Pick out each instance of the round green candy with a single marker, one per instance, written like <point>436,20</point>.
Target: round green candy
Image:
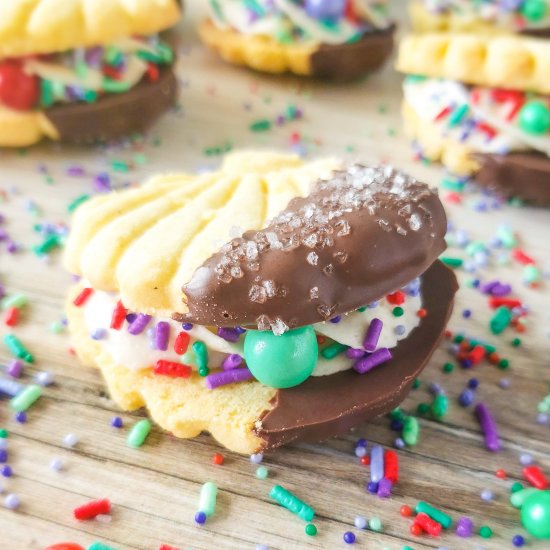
<point>311,530</point>
<point>534,10</point>
<point>535,514</point>
<point>281,361</point>
<point>485,531</point>
<point>534,118</point>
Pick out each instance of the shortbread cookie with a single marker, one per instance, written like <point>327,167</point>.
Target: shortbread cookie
<point>501,136</point>
<point>530,17</point>
<point>80,71</point>
<point>334,40</point>
<point>508,61</point>
<point>336,301</point>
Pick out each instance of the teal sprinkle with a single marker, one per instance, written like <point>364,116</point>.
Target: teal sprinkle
<point>201,354</point>
<point>458,115</point>
<point>254,6</point>
<point>115,86</point>
<point>332,350</point>
<point>46,93</point>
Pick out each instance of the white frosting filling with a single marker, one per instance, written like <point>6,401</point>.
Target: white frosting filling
<point>284,16</point>
<point>429,97</point>
<point>136,352</point>
<point>494,11</point>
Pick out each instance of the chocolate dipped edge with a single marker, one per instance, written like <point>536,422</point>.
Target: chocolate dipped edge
<point>328,406</point>
<point>115,116</point>
<point>353,60</point>
<point>521,175</point>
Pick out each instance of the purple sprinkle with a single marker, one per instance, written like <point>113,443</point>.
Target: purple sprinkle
<point>464,527</point>
<point>102,182</point>
<point>227,377</point>
<point>384,488</point>
<point>131,317</point>
<point>15,368</point>
<point>21,417</point>
<point>3,456</point>
<point>10,387</point>
<point>162,335</point>
<point>362,442</point>
<point>365,364</point>
<point>232,361</point>
<point>487,288</point>
<point>229,334</point>
<point>376,463</point>
<point>116,422</point>
<point>187,326</point>
<point>137,326</point>
<point>75,171</point>
<point>373,334</point>
<point>372,487</point>
<point>488,426</point>
<point>501,290</point>
<point>336,319</point>
<point>399,443</point>
<point>98,334</point>
<point>240,330</point>
<point>466,398</point>
<point>354,353</point>
<point>6,471</point>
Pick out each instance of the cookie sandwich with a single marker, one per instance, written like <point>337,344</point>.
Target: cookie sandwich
<point>479,95</point>
<point>342,39</point>
<point>313,315</point>
<point>83,71</point>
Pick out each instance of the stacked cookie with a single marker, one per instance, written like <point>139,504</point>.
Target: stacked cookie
<point>478,95</point>
<point>83,71</point>
<point>327,38</point>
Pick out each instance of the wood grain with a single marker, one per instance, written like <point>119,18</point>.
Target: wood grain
<point>155,489</point>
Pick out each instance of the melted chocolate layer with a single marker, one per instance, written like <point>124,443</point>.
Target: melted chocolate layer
<point>349,61</point>
<point>328,406</point>
<point>116,115</point>
<point>522,175</point>
<point>357,237</point>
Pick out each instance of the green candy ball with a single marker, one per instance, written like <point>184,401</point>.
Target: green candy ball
<point>534,10</point>
<point>281,361</point>
<point>535,514</point>
<point>534,118</point>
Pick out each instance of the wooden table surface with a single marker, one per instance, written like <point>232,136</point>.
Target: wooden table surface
<point>154,489</point>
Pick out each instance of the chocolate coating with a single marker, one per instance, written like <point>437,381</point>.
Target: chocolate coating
<point>543,32</point>
<point>349,61</point>
<point>522,175</point>
<point>115,116</point>
<point>327,406</point>
<point>357,237</point>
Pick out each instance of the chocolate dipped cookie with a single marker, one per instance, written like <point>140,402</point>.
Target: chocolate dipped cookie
<point>84,72</point>
<point>329,292</point>
<point>330,39</point>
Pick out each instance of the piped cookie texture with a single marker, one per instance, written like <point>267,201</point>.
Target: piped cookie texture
<point>359,235</point>
<point>83,71</point>
<point>338,40</point>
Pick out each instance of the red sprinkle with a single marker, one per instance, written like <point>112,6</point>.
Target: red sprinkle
<point>396,298</point>
<point>391,466</point>
<point>500,473</point>
<point>320,339</point>
<point>428,524</point>
<point>173,369</point>
<point>167,547</point>
<point>477,354</point>
<point>495,302</point>
<point>521,257</point>
<point>534,475</point>
<point>119,315</point>
<point>443,113</point>
<point>406,511</point>
<point>12,316</point>
<point>421,313</point>
<point>65,546</point>
<point>365,460</point>
<point>92,509</point>
<point>83,297</point>
<point>152,72</point>
<point>416,529</point>
<point>181,342</point>
<point>218,459</point>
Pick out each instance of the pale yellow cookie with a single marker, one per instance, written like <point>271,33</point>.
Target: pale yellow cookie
<point>515,62</point>
<point>184,407</point>
<point>20,129</point>
<point>30,27</point>
<point>261,53</point>
<point>146,243</point>
<point>454,155</point>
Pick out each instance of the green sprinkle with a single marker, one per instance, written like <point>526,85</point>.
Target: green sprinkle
<point>375,524</point>
<point>437,515</point>
<point>531,274</point>
<point>458,115</point>
<point>114,86</point>
<point>503,364</point>
<point>46,93</point>
<point>14,300</point>
<point>398,311</point>
<point>474,247</point>
<point>26,398</point>
<point>311,530</point>
<point>90,96</point>
<point>292,502</point>
<point>397,414</point>
<point>448,367</point>
<point>500,320</point>
<point>407,548</point>
<point>517,486</point>
<point>506,237</point>
<point>453,185</point>
<point>139,432</point>
<point>207,498</point>
<point>77,202</point>
<point>416,384</point>
<point>201,355</point>
<point>113,56</point>
<point>332,350</point>
<point>516,342</point>
<point>485,532</point>
<point>47,245</point>
<point>452,262</point>
<point>17,348</point>
<point>120,166</point>
<point>262,125</point>
<point>362,309</point>
<point>81,69</point>
<point>440,405</point>
<point>4,433</point>
<point>423,408</point>
<point>100,546</point>
<point>459,338</point>
<point>411,430</point>
<point>262,472</point>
